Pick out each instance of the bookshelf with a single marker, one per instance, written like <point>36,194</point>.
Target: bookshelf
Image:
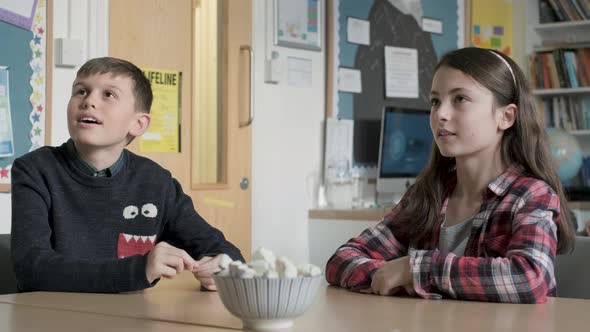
<point>561,91</point>
<point>559,63</point>
<point>568,32</point>
<point>558,45</point>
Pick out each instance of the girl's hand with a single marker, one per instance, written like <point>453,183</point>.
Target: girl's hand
<point>392,277</point>
<point>167,261</point>
<point>206,266</point>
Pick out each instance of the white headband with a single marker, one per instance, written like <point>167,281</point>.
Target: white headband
<point>507,65</point>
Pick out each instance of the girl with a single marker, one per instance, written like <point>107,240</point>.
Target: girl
<point>487,215</point>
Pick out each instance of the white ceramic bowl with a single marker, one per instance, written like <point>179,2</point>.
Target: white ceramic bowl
<point>267,304</point>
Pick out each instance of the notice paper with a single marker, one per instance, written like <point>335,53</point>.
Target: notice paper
<point>358,31</point>
<point>299,71</point>
<point>163,133</point>
<point>349,80</point>
<point>401,72</point>
<point>6,138</point>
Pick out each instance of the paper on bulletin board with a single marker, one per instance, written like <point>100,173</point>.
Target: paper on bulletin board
<point>349,80</point>
<point>358,31</point>
<point>18,12</point>
<point>6,137</point>
<point>491,25</point>
<point>163,133</point>
<point>401,72</point>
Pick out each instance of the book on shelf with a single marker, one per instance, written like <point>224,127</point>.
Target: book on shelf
<point>560,68</point>
<point>571,113</point>
<point>563,10</point>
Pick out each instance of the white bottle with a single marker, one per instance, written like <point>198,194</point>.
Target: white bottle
<point>359,184</point>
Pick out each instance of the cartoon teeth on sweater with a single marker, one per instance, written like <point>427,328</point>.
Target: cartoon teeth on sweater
<point>131,244</point>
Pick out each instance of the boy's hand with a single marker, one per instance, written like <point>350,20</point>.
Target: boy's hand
<point>167,261</point>
<point>206,266</point>
<point>392,277</point>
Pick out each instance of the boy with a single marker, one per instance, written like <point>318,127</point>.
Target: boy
<point>90,216</point>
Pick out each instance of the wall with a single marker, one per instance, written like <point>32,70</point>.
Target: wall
<point>78,19</point>
<point>286,144</point>
<point>286,130</point>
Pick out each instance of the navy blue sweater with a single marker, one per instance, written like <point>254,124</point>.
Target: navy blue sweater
<point>75,232</point>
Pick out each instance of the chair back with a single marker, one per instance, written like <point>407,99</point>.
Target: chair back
<point>572,271</point>
<point>7,278</point>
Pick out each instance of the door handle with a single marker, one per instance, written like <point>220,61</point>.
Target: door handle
<point>251,95</point>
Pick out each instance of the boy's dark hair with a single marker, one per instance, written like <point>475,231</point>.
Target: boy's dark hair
<point>142,89</point>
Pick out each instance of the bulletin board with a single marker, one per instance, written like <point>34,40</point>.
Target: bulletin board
<point>428,28</point>
<point>25,39</point>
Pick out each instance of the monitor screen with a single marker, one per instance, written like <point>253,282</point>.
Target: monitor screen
<point>404,149</point>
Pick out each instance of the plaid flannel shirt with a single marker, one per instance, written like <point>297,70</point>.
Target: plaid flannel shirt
<point>509,255</point>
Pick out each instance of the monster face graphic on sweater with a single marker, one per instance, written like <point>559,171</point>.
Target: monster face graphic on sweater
<point>135,244</point>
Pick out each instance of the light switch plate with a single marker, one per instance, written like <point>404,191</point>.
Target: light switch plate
<point>68,52</point>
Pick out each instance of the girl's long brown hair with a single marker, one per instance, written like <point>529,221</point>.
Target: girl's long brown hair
<point>525,144</point>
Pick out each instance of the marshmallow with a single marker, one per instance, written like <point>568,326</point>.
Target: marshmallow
<point>270,274</point>
<point>260,267</point>
<point>238,269</point>
<point>264,265</point>
<point>264,255</point>
<point>223,273</point>
<point>308,270</point>
<point>224,261</point>
<point>286,268</point>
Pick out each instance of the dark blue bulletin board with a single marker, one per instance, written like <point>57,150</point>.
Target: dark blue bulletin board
<point>394,23</point>
<point>23,49</point>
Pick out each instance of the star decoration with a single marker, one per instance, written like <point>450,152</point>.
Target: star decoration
<point>40,31</point>
<point>37,131</point>
<point>38,54</point>
<point>4,173</point>
<point>35,117</point>
<point>36,95</point>
<point>37,68</point>
<point>39,80</point>
<point>39,108</point>
<point>37,40</point>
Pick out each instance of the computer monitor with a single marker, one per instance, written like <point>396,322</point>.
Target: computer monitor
<point>404,149</point>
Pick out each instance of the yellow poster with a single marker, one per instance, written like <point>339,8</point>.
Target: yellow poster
<point>491,24</point>
<point>163,133</point>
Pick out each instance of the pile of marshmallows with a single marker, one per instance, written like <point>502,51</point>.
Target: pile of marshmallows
<point>265,265</point>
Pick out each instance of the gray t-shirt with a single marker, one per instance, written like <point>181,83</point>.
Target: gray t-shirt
<point>454,238</point>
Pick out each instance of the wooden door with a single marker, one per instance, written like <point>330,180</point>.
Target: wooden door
<point>173,35</point>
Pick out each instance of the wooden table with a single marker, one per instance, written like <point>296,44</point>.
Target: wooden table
<point>178,305</point>
<point>24,318</point>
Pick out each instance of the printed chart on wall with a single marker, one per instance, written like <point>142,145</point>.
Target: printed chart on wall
<point>163,133</point>
<point>22,80</point>
<point>491,24</point>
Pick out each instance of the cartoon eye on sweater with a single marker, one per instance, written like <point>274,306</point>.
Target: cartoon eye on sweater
<point>149,210</point>
<point>140,242</point>
<point>130,212</point>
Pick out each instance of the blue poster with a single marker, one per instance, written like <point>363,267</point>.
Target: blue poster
<point>394,23</point>
<point>6,138</point>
